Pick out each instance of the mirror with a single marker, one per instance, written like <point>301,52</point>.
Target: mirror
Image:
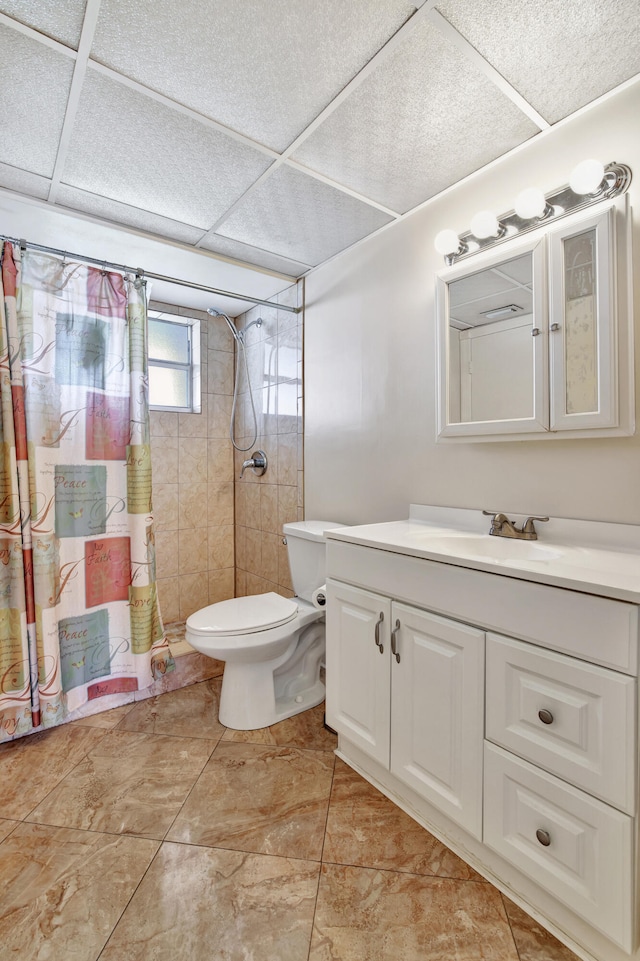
<point>491,347</point>
<point>490,320</point>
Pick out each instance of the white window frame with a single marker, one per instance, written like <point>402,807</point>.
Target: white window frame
<point>193,367</point>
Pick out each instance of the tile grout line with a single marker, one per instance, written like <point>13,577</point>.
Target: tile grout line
<point>515,943</point>
<point>62,779</point>
<point>133,894</point>
<point>324,839</point>
<point>162,840</point>
<point>192,788</point>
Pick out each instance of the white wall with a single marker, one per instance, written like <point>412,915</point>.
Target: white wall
<point>370,434</point>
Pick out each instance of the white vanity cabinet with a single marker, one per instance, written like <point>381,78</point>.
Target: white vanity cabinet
<point>395,672</point>
<point>508,726</point>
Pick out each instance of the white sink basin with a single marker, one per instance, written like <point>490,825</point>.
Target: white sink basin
<point>483,547</point>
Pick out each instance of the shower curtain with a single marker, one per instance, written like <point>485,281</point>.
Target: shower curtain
<point>79,615</point>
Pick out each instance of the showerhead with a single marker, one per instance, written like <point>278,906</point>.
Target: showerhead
<point>230,323</point>
<point>238,335</point>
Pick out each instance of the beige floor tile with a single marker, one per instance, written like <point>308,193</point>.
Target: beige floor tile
<point>63,891</point>
<point>31,766</point>
<point>383,916</point>
<point>130,784</point>
<point>106,720</point>
<point>532,941</point>
<point>188,712</point>
<point>268,800</point>
<point>302,730</point>
<point>6,827</point>
<point>365,828</point>
<point>199,904</point>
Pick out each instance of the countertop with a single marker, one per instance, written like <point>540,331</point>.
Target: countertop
<point>588,556</point>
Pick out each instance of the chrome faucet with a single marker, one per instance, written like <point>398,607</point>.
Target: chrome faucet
<point>501,526</point>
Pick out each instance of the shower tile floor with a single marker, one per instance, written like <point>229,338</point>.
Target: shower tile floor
<point>152,833</point>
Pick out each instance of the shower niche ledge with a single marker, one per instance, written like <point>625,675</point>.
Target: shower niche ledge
<point>490,690</point>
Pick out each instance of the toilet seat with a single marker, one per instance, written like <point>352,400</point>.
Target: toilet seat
<point>243,615</point>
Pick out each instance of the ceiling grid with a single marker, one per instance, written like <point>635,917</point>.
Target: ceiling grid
<point>281,134</point>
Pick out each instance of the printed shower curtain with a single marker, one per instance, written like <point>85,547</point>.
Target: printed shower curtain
<point>79,616</point>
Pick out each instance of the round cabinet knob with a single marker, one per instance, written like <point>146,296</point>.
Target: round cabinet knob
<point>543,837</point>
<point>545,716</point>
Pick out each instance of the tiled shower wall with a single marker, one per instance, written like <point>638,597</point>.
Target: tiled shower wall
<point>192,467</point>
<point>264,504</point>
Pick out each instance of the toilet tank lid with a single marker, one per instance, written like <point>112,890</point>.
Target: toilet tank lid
<point>309,530</point>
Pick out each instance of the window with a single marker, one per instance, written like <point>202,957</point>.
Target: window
<point>174,362</point>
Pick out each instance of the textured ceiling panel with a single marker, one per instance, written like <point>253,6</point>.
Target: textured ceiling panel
<point>253,255</point>
<point>298,217</point>
<point>559,54</point>
<point>265,69</point>
<point>129,216</point>
<point>60,20</point>
<point>414,127</point>
<point>24,182</point>
<point>34,89</point>
<point>127,147</point>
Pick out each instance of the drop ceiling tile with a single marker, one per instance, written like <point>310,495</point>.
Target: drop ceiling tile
<point>34,89</point>
<point>127,147</point>
<point>265,69</point>
<point>128,216</point>
<point>296,216</point>
<point>62,21</point>
<point>24,182</point>
<point>423,120</point>
<point>253,255</point>
<point>559,54</point>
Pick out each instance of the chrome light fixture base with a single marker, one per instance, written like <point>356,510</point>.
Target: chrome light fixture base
<point>559,203</point>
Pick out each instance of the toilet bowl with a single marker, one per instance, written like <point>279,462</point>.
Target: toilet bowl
<point>273,647</point>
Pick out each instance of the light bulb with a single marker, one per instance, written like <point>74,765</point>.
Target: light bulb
<point>586,177</point>
<point>447,242</point>
<point>530,203</point>
<point>485,224</point>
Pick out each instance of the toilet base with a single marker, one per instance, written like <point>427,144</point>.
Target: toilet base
<point>258,695</point>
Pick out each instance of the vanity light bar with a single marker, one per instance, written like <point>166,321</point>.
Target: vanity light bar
<point>590,182</point>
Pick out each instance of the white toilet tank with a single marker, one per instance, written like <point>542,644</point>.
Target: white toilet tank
<point>306,547</point>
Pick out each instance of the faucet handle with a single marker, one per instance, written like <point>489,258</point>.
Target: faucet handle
<point>528,526</point>
<point>499,522</point>
<point>257,462</point>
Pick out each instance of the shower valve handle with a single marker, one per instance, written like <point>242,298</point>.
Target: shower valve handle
<point>257,462</point>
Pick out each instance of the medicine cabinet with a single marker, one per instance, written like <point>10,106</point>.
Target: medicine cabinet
<point>535,338</point>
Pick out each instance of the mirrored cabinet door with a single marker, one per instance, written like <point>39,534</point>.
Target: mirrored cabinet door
<point>492,331</point>
<point>582,325</point>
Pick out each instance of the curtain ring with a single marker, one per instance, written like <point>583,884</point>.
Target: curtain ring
<point>103,272</point>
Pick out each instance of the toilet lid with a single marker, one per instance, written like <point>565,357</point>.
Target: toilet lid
<point>242,615</point>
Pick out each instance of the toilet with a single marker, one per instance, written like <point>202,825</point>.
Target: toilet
<point>273,646</point>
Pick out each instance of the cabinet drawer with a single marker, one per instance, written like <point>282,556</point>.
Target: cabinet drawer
<point>571,718</point>
<point>576,847</point>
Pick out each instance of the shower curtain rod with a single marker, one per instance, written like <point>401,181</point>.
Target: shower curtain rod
<point>140,272</point>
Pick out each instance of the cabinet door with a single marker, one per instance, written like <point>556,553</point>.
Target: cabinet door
<point>357,703</point>
<point>582,325</point>
<point>437,705</point>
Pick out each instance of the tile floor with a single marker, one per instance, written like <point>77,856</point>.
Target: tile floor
<point>152,833</point>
